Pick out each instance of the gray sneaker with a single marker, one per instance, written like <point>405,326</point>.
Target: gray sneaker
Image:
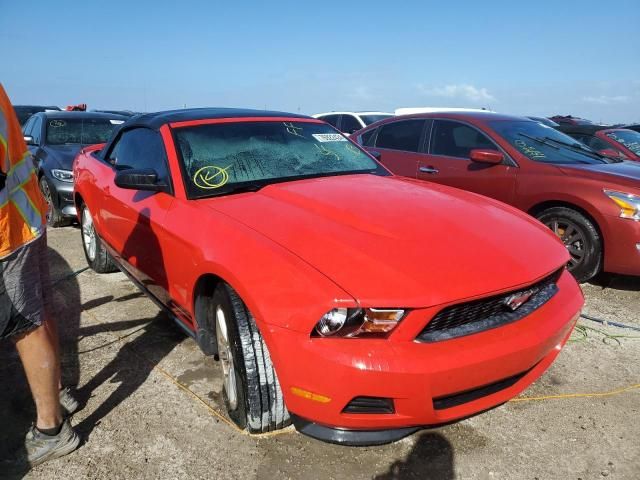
<point>68,403</point>
<point>41,447</point>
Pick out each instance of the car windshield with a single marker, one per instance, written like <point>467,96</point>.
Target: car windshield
<point>222,158</point>
<point>626,138</point>
<point>544,144</point>
<point>369,119</point>
<point>84,131</point>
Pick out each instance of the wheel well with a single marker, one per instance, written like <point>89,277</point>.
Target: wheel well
<point>77,200</point>
<point>204,315</point>
<point>541,207</point>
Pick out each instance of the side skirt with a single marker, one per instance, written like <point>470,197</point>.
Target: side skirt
<point>165,308</point>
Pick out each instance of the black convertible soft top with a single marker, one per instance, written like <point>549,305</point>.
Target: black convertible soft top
<point>157,119</point>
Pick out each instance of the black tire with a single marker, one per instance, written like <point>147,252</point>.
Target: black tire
<point>259,405</point>
<point>580,236</point>
<point>100,261</point>
<point>54,215</point>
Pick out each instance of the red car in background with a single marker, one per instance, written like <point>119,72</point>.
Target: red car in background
<point>590,201</point>
<point>613,142</point>
<point>357,304</point>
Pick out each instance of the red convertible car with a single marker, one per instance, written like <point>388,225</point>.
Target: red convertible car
<point>357,304</point>
<point>590,201</point>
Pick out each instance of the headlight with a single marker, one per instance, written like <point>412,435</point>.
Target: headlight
<point>62,175</point>
<point>358,322</point>
<point>629,203</point>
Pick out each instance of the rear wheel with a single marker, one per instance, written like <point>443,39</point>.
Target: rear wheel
<point>54,215</point>
<point>252,391</point>
<point>97,256</point>
<point>581,238</point>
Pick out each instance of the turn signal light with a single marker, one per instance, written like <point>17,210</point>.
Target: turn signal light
<point>316,397</point>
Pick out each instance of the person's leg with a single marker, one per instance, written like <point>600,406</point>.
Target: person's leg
<point>40,361</point>
<point>26,287</point>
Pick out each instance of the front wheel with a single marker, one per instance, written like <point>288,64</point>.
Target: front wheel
<point>54,215</point>
<point>581,238</point>
<point>97,256</point>
<point>252,391</point>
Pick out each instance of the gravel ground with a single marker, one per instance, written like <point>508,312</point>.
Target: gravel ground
<point>152,404</point>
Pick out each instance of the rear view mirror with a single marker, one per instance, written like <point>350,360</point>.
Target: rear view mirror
<point>140,179</point>
<point>493,157</point>
<point>28,139</point>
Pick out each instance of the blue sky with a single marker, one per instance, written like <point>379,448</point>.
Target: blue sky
<point>537,58</point>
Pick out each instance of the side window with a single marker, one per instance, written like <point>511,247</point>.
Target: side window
<point>350,124</point>
<point>36,131</point>
<point>140,148</point>
<point>598,144</point>
<point>367,137</point>
<point>26,128</point>
<point>404,135</point>
<point>454,139</point>
<point>331,119</point>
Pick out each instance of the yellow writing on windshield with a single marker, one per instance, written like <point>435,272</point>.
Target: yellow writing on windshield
<point>211,177</point>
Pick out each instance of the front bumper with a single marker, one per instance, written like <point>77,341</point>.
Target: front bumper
<point>418,376</point>
<point>622,246</point>
<point>62,196</point>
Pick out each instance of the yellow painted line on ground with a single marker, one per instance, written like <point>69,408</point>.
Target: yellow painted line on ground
<point>610,393</point>
<point>175,381</point>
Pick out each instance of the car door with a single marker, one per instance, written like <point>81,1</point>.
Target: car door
<point>133,224</point>
<point>398,145</point>
<point>448,162</point>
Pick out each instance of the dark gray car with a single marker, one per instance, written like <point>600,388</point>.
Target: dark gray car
<point>54,139</point>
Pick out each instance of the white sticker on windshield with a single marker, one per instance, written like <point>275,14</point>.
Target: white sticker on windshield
<point>116,122</point>
<point>328,137</point>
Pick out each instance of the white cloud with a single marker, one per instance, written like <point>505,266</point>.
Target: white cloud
<point>464,91</point>
<point>607,100</point>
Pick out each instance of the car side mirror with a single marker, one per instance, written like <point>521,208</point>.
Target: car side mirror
<point>140,179</point>
<point>375,154</point>
<point>610,152</point>
<point>28,139</point>
<point>481,155</point>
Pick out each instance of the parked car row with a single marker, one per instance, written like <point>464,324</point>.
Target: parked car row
<point>357,304</point>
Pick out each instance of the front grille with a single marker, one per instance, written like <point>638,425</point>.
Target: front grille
<point>369,405</point>
<point>478,315</point>
<point>467,396</point>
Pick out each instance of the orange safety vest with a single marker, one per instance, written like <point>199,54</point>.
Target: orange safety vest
<point>22,206</point>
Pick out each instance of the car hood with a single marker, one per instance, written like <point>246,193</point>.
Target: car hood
<point>60,156</point>
<point>396,242</point>
<point>624,173</point>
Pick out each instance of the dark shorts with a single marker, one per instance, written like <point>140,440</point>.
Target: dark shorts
<point>25,288</point>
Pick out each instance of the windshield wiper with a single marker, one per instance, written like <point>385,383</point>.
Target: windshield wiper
<point>246,187</point>
<point>547,141</point>
<point>539,140</point>
<point>583,149</point>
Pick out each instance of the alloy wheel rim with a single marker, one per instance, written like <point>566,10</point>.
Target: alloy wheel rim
<point>572,237</point>
<point>226,358</point>
<point>88,235</point>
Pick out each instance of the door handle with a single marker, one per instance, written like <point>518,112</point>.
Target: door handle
<point>430,170</point>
